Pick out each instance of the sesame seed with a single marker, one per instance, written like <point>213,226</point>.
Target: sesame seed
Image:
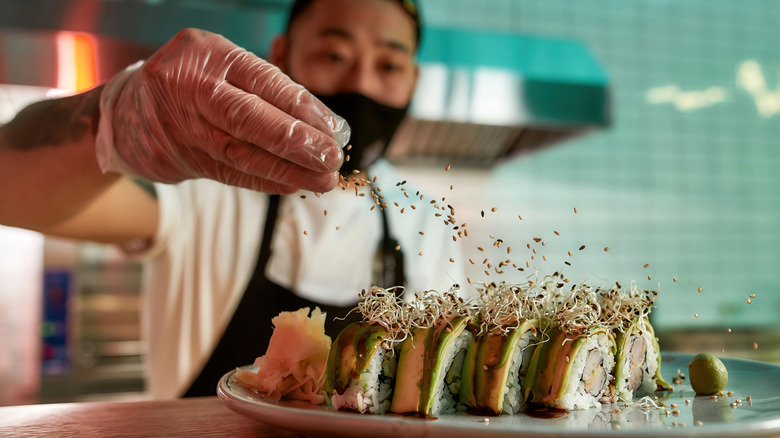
<point>696,315</point>
<point>606,248</point>
<point>674,279</point>
<point>494,209</point>
<point>447,168</point>
<point>419,253</point>
<point>338,228</point>
<point>648,277</point>
<point>699,289</point>
<point>305,233</point>
<point>755,345</point>
<point>556,233</point>
<point>519,217</point>
<point>698,423</point>
<point>575,209</point>
<point>728,330</point>
<point>452,260</point>
<point>582,247</point>
<point>748,301</point>
<point>486,420</point>
<point>752,295</point>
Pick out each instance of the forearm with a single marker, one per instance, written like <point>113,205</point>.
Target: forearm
<point>48,169</point>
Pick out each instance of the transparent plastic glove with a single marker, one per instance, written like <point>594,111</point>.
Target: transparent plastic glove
<point>201,107</point>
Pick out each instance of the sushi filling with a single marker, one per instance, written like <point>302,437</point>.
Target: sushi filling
<point>447,392</point>
<point>513,396</point>
<point>372,391</point>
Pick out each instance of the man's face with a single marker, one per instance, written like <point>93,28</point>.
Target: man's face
<point>360,46</point>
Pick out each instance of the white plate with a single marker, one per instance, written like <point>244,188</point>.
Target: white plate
<point>758,418</point>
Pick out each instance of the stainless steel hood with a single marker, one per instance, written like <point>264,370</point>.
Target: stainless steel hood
<point>482,96</point>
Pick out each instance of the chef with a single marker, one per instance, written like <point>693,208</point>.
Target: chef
<point>235,184</point>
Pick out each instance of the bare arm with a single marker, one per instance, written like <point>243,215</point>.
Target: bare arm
<point>50,181</point>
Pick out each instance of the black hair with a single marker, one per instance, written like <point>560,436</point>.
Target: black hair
<point>410,6</point>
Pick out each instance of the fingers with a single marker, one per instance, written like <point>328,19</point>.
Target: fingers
<point>257,162</point>
<point>265,80</point>
<point>253,120</point>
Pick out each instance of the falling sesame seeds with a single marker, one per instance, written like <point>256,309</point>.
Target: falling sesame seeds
<point>325,212</point>
<point>582,247</point>
<point>728,330</point>
<point>752,295</point>
<point>674,279</point>
<point>606,248</point>
<point>482,213</point>
<point>349,147</point>
<point>646,265</point>
<point>338,228</point>
<point>494,209</point>
<point>755,345</point>
<point>447,168</point>
<point>556,233</point>
<point>695,315</point>
<point>305,233</point>
<point>699,289</point>
<point>452,260</point>
<point>748,301</point>
<point>419,253</point>
<point>421,233</point>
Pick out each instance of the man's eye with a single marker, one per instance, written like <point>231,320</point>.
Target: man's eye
<point>391,68</point>
<point>333,57</point>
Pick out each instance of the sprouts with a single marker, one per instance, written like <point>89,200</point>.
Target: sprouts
<point>502,307</point>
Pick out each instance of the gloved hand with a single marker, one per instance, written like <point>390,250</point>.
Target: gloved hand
<point>201,107</point>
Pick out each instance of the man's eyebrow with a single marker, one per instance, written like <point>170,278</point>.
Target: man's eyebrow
<point>391,43</point>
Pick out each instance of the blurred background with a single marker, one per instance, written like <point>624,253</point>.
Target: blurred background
<point>646,127</point>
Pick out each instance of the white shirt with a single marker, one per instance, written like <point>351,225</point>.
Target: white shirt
<point>207,244</point>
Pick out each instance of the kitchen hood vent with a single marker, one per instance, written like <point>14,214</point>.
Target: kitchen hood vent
<point>482,97</point>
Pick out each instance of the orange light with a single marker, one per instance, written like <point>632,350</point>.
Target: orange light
<point>84,54</point>
<point>76,64</point>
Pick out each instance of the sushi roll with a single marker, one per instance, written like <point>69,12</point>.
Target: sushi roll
<point>493,367</point>
<point>361,369</point>
<point>430,362</point>
<point>572,370</point>
<point>638,361</point>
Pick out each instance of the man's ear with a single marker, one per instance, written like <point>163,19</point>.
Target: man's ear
<point>278,53</point>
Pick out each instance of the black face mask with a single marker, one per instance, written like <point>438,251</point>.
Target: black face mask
<point>372,125</point>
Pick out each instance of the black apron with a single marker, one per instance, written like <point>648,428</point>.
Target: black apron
<point>246,336</point>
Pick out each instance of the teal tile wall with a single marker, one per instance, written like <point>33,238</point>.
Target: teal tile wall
<point>691,190</point>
